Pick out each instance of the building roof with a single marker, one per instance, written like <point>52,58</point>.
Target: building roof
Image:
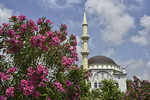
<point>101,60</point>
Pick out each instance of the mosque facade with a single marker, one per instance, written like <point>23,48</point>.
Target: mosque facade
<point>101,67</point>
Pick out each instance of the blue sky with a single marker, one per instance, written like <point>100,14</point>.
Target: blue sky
<point>119,29</point>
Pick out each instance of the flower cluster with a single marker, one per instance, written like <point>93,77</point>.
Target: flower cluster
<point>68,83</point>
<point>138,89</point>
<point>39,41</point>
<point>58,87</point>
<point>67,62</point>
<point>10,91</point>
<point>4,76</point>
<point>29,43</point>
<point>34,78</point>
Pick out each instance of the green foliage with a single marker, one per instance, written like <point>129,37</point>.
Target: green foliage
<point>109,90</point>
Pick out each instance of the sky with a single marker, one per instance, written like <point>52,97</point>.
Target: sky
<point>119,29</point>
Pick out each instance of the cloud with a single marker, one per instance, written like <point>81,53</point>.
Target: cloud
<point>134,64</point>
<point>79,50</point>
<point>134,67</point>
<point>109,52</point>
<point>74,26</point>
<point>58,4</point>
<point>5,13</point>
<point>113,18</point>
<point>143,36</point>
<point>146,75</point>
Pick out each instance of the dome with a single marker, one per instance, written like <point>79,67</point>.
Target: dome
<point>101,60</point>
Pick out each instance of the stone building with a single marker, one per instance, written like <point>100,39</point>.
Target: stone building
<point>101,67</point>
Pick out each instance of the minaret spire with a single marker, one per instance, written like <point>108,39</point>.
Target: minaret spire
<point>85,38</point>
<point>84,19</point>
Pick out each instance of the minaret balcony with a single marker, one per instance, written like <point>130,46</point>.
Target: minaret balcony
<point>85,52</point>
<point>85,37</point>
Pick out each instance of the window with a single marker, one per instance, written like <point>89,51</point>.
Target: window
<point>97,76</point>
<point>99,84</point>
<point>90,84</point>
<point>95,84</point>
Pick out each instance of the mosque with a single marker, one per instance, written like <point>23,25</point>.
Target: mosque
<point>101,67</point>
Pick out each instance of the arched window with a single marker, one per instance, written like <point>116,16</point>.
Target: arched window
<point>95,84</point>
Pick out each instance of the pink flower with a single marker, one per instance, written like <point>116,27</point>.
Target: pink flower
<point>33,41</point>
<point>24,26</point>
<point>3,97</point>
<point>31,71</point>
<point>22,17</point>
<point>50,34</point>
<point>127,93</point>
<point>18,36</point>
<point>24,83</point>
<point>40,69</point>
<point>67,61</point>
<point>28,90</point>
<point>10,91</point>
<point>5,77</point>
<point>58,86</point>
<point>68,83</point>
<point>73,36</point>
<point>63,27</point>
<point>49,21</point>
<point>1,74</point>
<point>36,94</point>
<point>48,98</point>
<point>11,70</point>
<point>65,32</point>
<point>42,38</point>
<point>31,23</point>
<point>6,24</point>
<point>35,28</point>
<point>42,84</point>
<point>11,33</point>
<point>39,21</point>
<point>13,17</point>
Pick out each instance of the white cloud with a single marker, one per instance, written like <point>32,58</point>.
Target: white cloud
<point>143,36</point>
<point>134,64</point>
<point>146,75</point>
<point>58,4</point>
<point>113,18</point>
<point>134,67</point>
<point>5,13</point>
<point>74,26</point>
<point>109,52</point>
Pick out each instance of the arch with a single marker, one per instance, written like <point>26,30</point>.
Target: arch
<point>102,72</point>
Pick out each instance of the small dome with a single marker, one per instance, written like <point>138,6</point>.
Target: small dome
<point>101,60</point>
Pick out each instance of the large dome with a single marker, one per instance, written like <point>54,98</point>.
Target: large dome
<point>101,60</point>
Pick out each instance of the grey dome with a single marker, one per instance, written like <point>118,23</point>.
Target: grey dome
<point>101,60</point>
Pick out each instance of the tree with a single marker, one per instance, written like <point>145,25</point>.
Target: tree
<point>39,62</point>
<point>138,90</point>
<point>109,90</point>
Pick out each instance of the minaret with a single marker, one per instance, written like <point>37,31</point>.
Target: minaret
<point>85,38</point>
